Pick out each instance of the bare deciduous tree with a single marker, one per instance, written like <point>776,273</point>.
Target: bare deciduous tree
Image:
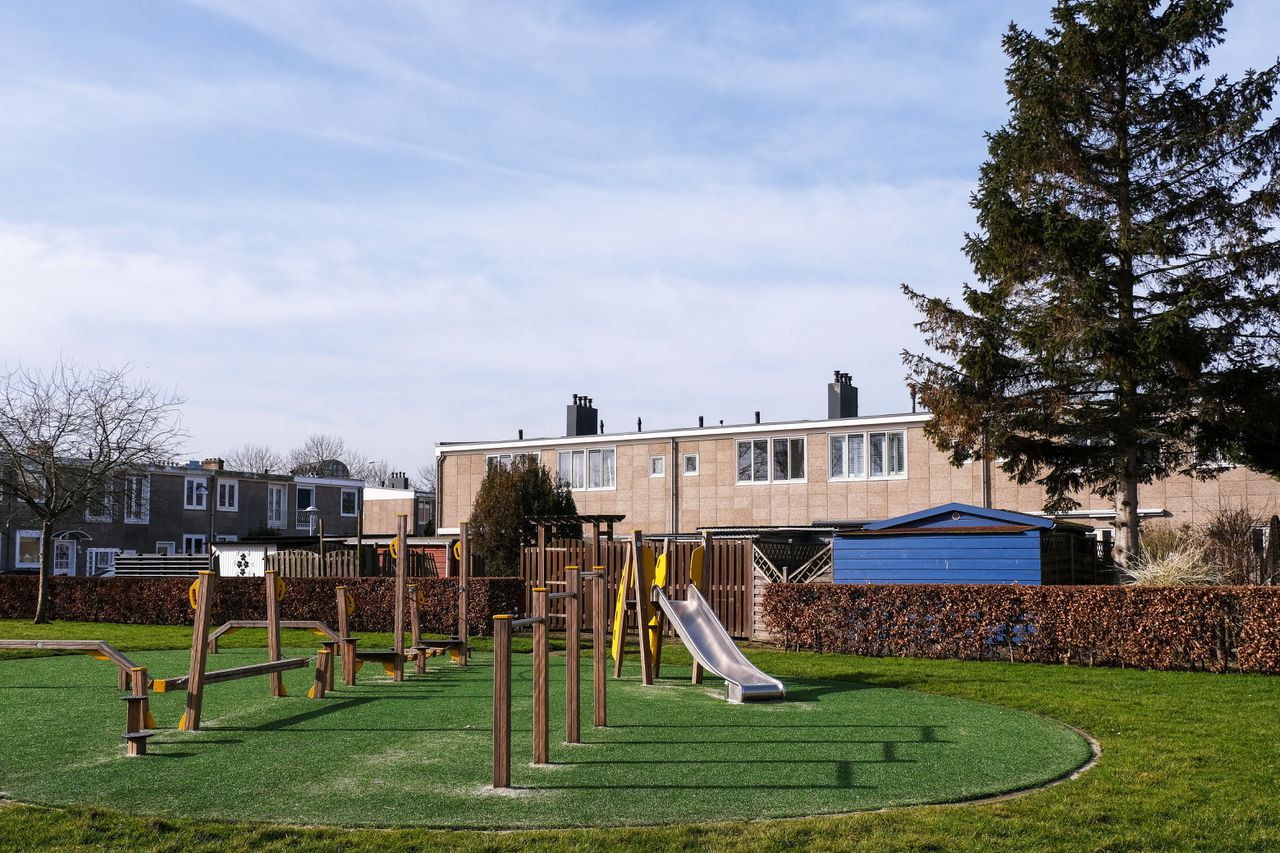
<point>258,458</point>
<point>316,455</point>
<point>426,479</point>
<point>68,436</point>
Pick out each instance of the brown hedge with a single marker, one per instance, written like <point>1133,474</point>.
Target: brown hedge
<point>163,601</point>
<point>1219,628</point>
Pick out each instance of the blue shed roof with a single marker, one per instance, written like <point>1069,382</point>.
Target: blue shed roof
<point>968,516</point>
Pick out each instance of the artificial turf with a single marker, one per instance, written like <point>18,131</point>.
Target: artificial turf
<point>418,753</point>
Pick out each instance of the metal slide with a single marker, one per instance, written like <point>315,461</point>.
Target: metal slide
<point>709,643</point>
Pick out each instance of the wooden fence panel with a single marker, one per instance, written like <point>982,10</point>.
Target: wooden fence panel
<point>729,586</point>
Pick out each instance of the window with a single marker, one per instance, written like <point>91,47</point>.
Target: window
<point>879,455</point>
<point>306,499</point>
<point>194,543</point>
<point>589,469</point>
<point>226,537</point>
<point>165,548</point>
<point>27,549</point>
<point>195,492</point>
<point>657,466</point>
<point>64,557</point>
<point>501,459</point>
<point>691,464</point>
<point>100,561</point>
<point>349,503</point>
<point>275,506</point>
<point>761,460</point>
<point>99,508</point>
<point>228,495</point>
<point>137,499</point>
<point>888,454</point>
<point>848,456</point>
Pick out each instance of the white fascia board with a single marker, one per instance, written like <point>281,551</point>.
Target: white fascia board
<point>839,424</point>
<point>382,493</point>
<point>329,481</point>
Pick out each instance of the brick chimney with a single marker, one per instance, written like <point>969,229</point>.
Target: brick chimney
<point>212,464</point>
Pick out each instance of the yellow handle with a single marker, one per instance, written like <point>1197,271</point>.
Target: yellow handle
<point>191,593</point>
<point>422,599</point>
<point>280,588</point>
<point>351,603</point>
<point>394,548</point>
<point>457,550</point>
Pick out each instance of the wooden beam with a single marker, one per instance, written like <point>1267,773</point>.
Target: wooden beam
<point>217,676</point>
<point>348,662</point>
<point>540,661</point>
<point>190,721</point>
<point>573,657</point>
<point>276,681</point>
<point>599,630</point>
<point>502,701</point>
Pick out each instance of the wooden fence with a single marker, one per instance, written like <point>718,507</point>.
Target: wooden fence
<point>729,584</point>
<point>348,563</point>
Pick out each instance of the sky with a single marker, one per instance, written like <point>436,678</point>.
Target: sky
<point>407,222</point>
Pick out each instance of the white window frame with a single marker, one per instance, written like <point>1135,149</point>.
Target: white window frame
<point>70,546</point>
<point>888,473</point>
<point>301,520</point>
<point>225,537</point>
<point>657,466</point>
<point>355,500</point>
<point>195,493</point>
<point>166,548</point>
<point>94,559</point>
<point>769,443</point>
<point>845,474</point>
<point>502,460</point>
<point>228,495</point>
<point>580,464</point>
<point>684,465</point>
<point>108,507</point>
<point>18,536</point>
<point>275,490</point>
<point>131,491</point>
<point>192,538</point>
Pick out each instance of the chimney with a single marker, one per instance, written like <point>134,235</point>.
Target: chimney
<point>212,464</point>
<point>520,433</point>
<point>639,425</point>
<point>580,417</point>
<point>398,480</point>
<point>699,421</point>
<point>757,416</point>
<point>842,397</point>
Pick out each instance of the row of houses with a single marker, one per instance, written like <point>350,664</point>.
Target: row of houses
<point>843,471</point>
<point>184,509</point>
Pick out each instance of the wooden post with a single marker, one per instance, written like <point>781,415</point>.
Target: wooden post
<point>702,588</point>
<point>642,609</point>
<point>599,630</point>
<point>348,662</point>
<point>275,679</point>
<point>190,721</point>
<point>540,660</point>
<point>542,555</point>
<point>324,663</point>
<point>502,701</point>
<point>415,629</point>
<point>464,596</point>
<point>330,646</point>
<point>573,657</point>
<point>138,713</point>
<point>402,561</point>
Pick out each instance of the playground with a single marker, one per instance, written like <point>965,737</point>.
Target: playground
<point>418,752</point>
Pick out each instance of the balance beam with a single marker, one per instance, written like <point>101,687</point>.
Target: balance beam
<point>318,628</point>
<point>99,649</point>
<point>173,685</point>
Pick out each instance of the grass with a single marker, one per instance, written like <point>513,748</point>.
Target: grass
<point>1188,763</point>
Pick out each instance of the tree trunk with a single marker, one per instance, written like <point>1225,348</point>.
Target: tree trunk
<point>46,570</point>
<point>1125,550</point>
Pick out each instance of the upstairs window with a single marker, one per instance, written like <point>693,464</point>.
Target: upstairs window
<point>690,464</point>
<point>349,503</point>
<point>779,460</point>
<point>137,499</point>
<point>588,469</point>
<point>657,466</point>
<point>228,495</point>
<point>195,493</point>
<point>862,455</point>
<point>99,508</point>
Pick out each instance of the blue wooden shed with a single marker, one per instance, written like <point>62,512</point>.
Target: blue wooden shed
<point>959,543</point>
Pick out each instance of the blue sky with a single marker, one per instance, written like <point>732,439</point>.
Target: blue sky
<point>408,222</point>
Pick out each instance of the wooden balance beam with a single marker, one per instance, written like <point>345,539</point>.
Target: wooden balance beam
<point>226,628</point>
<point>196,677</point>
<point>99,649</point>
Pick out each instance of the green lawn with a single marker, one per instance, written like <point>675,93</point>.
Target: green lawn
<point>1188,763</point>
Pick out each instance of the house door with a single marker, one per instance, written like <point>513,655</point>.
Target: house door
<point>64,557</point>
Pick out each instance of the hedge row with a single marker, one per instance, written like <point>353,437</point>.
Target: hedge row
<point>1190,628</point>
<point>163,601</point>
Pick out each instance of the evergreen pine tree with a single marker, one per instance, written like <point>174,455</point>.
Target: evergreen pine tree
<point>1126,319</point>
